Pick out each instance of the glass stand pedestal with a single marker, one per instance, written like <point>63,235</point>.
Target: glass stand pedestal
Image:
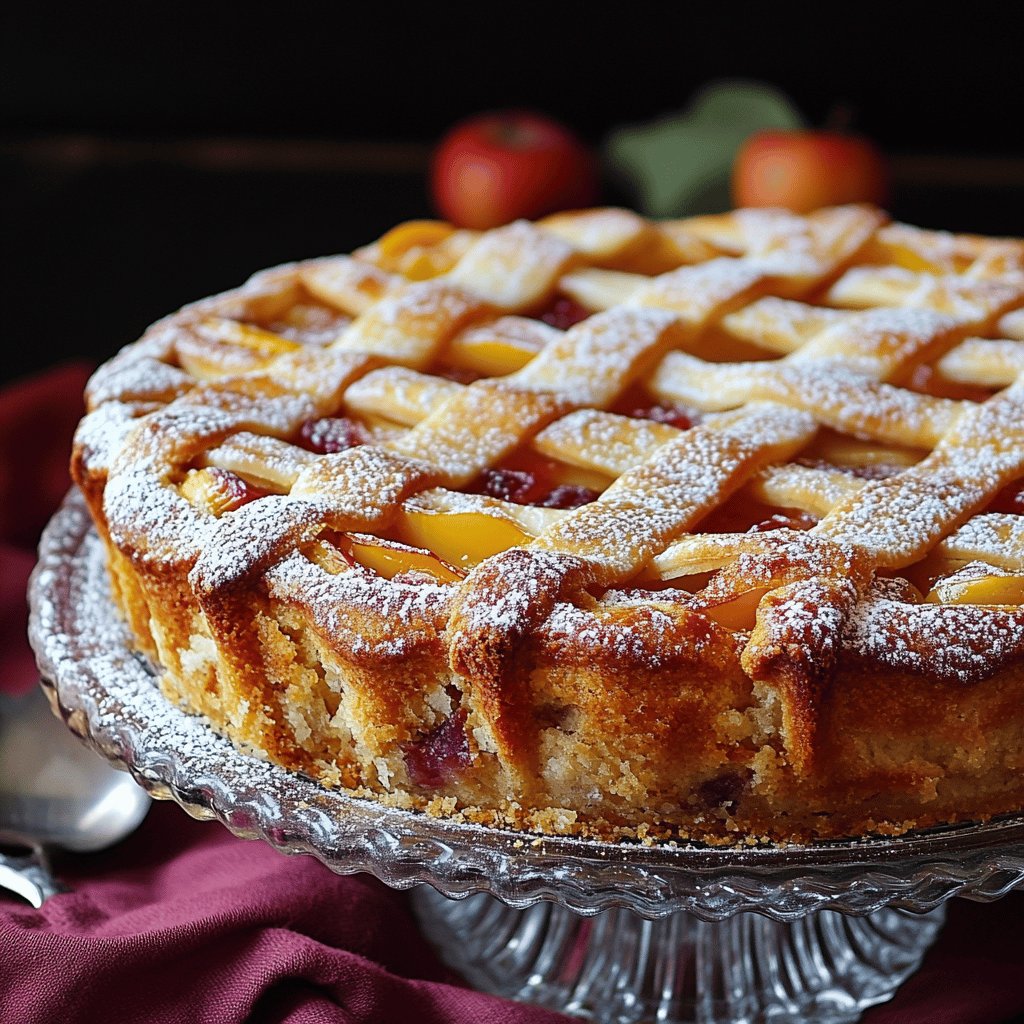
<point>618,968</point>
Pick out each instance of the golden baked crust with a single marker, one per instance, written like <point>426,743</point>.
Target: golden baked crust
<point>698,529</point>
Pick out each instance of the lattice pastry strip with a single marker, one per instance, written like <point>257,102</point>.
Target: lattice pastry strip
<point>941,252</point>
<point>987,362</point>
<point>510,414</point>
<point>882,343</point>
<point>982,452</point>
<point>349,285</point>
<point>141,373</point>
<point>681,482</point>
<point>412,325</point>
<point>968,299</point>
<point>781,325</point>
<point>833,393</point>
<point>596,360</point>
<point>823,241</point>
<point>996,538</point>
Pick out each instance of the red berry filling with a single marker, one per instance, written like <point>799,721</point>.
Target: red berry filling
<point>331,434</point>
<point>564,313</point>
<point>459,374</point>
<point>440,755</point>
<point>673,415</point>
<point>569,496</point>
<point>516,485</point>
<point>524,487</point>
<point>869,471</point>
<point>722,791</point>
<point>793,520</point>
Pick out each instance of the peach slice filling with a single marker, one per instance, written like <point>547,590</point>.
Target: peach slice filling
<point>505,507</point>
<point>339,552</point>
<point>492,353</point>
<point>419,249</point>
<point>446,534</point>
<point>440,545</point>
<point>978,583</point>
<point>507,344</point>
<point>218,490</point>
<point>462,539</point>
<point>222,346</point>
<point>390,558</point>
<point>739,612</point>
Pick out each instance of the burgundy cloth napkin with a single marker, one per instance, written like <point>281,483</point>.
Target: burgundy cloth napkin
<point>184,922</point>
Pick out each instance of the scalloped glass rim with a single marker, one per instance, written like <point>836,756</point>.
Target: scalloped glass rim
<point>108,695</point>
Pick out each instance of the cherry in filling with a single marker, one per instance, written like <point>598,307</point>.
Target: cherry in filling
<point>791,519</point>
<point>722,791</point>
<point>637,403</point>
<point>564,313</point>
<point>527,479</point>
<point>331,434</point>
<point>868,471</point>
<point>673,415</point>
<point>439,756</point>
<point>459,374</point>
<point>744,514</point>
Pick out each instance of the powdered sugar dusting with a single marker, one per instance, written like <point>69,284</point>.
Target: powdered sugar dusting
<point>647,636</point>
<point>591,362</point>
<point>361,613</point>
<point>809,615</point>
<point>529,581</point>
<point>897,518</point>
<point>696,292</point>
<point>651,503</point>
<point>513,267</point>
<point>247,540</point>
<point>138,380</point>
<point>153,521</point>
<point>102,433</point>
<point>878,342</point>
<point>954,643</point>
<point>997,538</point>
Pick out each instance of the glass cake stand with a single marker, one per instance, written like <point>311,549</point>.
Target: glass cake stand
<point>614,932</point>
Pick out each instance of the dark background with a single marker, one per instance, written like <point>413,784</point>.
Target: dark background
<point>153,154</point>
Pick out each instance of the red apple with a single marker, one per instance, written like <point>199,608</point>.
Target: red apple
<point>496,167</point>
<point>805,170</point>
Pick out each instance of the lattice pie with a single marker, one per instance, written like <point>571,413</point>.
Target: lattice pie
<point>708,528</point>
